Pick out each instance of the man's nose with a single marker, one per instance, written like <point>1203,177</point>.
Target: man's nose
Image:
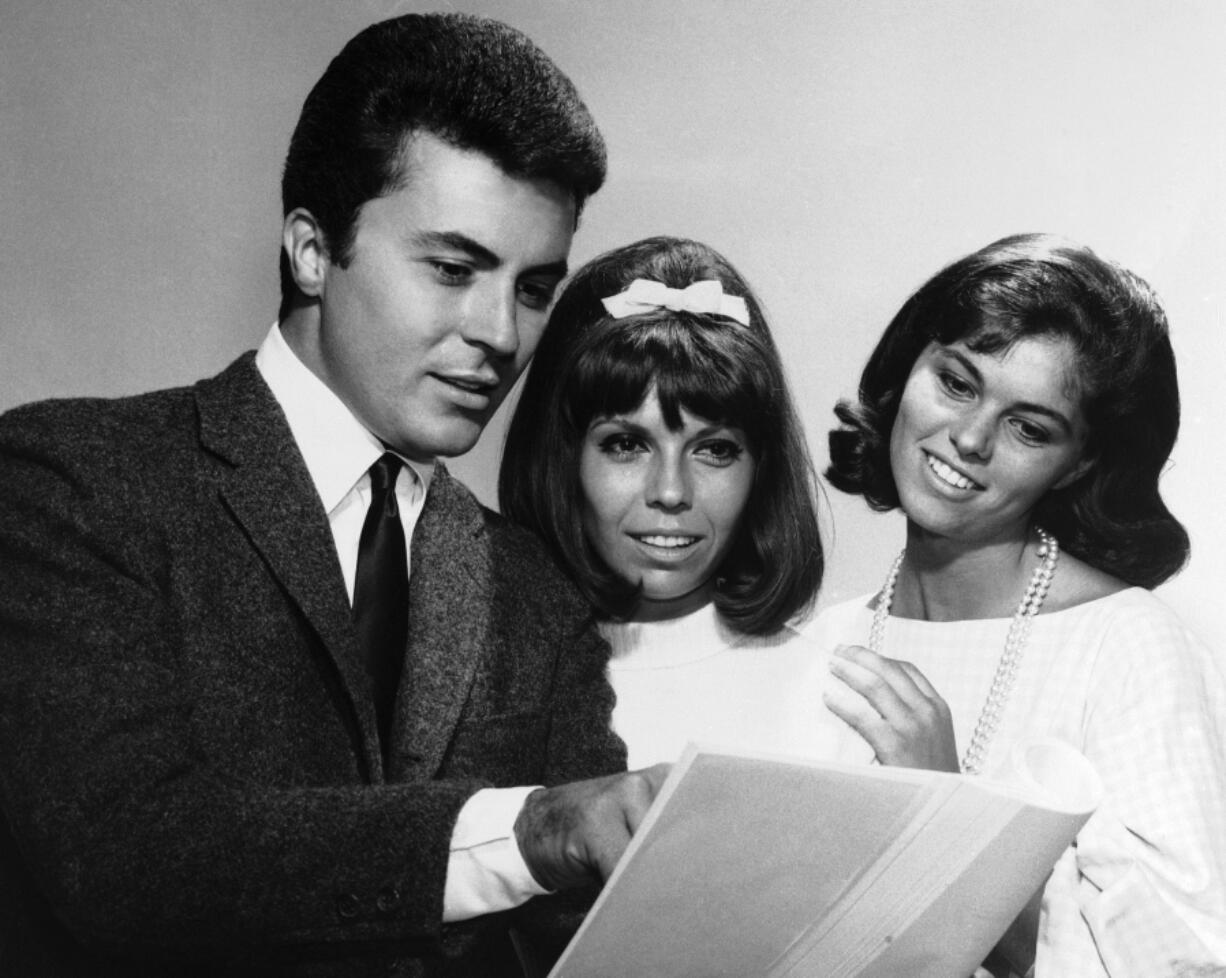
<point>493,321</point>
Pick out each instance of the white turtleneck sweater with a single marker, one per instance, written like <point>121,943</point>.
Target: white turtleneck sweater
<point>693,678</point>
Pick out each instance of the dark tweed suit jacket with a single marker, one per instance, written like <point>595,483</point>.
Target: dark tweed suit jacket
<point>190,776</point>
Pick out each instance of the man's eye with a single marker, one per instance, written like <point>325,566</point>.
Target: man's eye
<point>451,273</point>
<point>537,295</point>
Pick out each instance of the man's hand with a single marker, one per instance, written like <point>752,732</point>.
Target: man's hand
<point>897,711</point>
<point>574,833</point>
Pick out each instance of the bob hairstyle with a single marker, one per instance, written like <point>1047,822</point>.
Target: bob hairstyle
<point>589,365</point>
<point>1034,285</point>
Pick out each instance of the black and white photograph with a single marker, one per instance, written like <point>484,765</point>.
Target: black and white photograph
<point>690,489</point>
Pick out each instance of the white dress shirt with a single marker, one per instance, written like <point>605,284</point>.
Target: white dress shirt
<point>485,872</point>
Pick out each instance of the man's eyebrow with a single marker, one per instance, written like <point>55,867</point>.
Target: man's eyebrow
<point>455,241</point>
<point>553,269</point>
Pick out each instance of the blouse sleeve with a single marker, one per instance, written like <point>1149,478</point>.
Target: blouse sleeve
<point>1152,861</point>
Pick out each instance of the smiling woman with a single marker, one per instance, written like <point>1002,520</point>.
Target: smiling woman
<point>656,451</point>
<point>980,438</point>
<point>1020,409</point>
<point>662,503</point>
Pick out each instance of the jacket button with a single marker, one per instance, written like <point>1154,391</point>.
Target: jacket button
<point>347,905</point>
<point>388,900</point>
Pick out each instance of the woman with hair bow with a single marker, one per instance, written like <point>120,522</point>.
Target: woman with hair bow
<point>656,450</point>
<point>1020,409</point>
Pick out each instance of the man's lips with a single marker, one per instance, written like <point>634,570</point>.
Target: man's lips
<point>473,383</point>
<point>470,390</point>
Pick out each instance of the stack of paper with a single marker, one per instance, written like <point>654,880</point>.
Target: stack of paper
<point>752,865</point>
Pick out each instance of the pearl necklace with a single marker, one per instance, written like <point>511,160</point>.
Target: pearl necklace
<point>1015,644</point>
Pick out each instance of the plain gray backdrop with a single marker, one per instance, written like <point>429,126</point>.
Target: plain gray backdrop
<point>839,153</point>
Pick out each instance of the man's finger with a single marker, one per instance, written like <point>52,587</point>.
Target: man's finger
<point>652,780</point>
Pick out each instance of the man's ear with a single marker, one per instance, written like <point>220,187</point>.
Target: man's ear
<point>303,241</point>
<point>1076,472</point>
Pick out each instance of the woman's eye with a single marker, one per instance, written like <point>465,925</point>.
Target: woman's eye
<point>720,452</point>
<point>954,384</point>
<point>1030,432</point>
<point>621,445</point>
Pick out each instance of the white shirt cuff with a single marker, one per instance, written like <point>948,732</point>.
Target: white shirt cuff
<point>485,870</point>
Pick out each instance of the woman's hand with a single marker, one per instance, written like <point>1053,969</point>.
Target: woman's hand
<point>897,711</point>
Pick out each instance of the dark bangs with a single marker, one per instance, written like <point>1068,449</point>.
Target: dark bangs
<point>704,367</point>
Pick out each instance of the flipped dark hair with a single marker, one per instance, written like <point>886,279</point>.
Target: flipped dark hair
<point>472,82</point>
<point>590,365</point>
<point>1033,285</point>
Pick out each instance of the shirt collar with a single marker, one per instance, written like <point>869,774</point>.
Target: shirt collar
<point>336,447</point>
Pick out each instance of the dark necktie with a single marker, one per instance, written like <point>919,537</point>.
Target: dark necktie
<point>381,590</point>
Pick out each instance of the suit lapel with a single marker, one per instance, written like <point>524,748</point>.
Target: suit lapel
<point>269,491</point>
<point>449,610</point>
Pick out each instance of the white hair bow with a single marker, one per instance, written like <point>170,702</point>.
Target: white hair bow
<point>706,296</point>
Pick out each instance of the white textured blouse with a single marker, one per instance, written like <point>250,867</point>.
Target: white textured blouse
<point>693,678</point>
<point>1141,893</point>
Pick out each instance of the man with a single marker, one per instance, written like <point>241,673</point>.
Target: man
<point>218,756</point>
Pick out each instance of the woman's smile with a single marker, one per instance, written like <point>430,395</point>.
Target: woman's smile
<point>661,505</point>
<point>947,474</point>
<point>671,543</point>
<point>980,438</point>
